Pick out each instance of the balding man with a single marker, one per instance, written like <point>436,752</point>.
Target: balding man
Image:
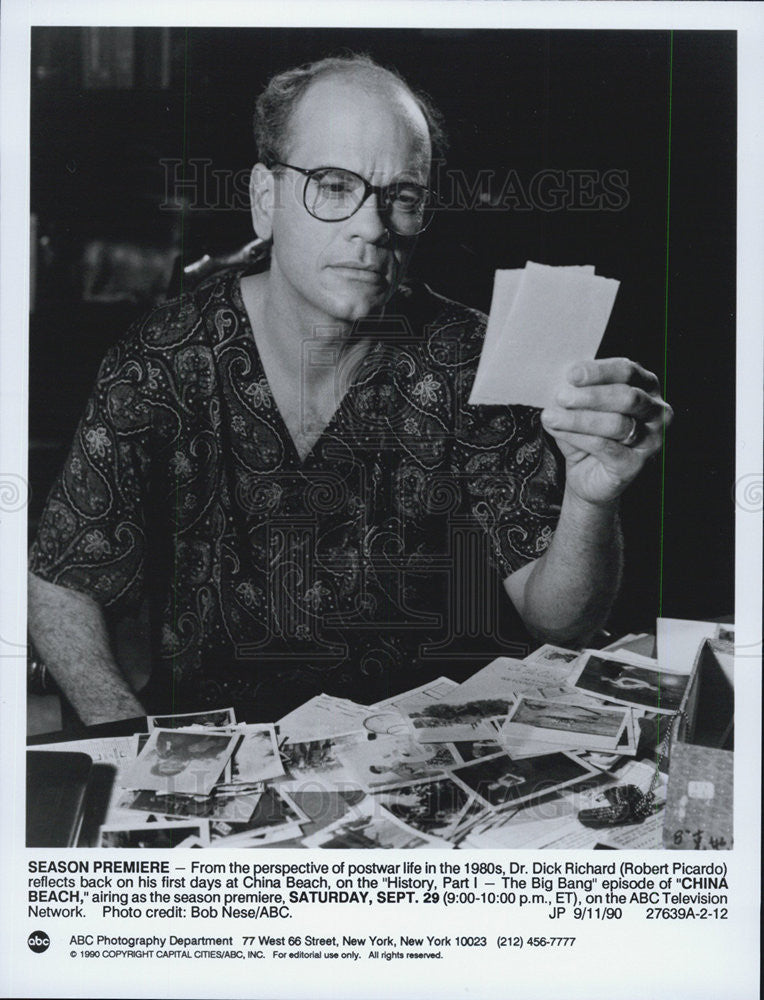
<point>285,464</point>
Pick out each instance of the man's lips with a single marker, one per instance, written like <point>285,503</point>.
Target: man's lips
<point>361,272</point>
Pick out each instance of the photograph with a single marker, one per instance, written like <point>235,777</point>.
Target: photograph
<point>394,760</point>
<point>553,654</point>
<point>508,677</point>
<point>228,807</point>
<point>212,720</point>
<point>386,722</point>
<point>435,807</point>
<point>319,764</point>
<point>502,782</point>
<point>321,717</point>
<point>408,701</point>
<point>593,727</point>
<point>256,757</point>
<point>275,812</point>
<point>153,835</point>
<point>626,683</point>
<point>176,761</point>
<point>452,720</point>
<point>475,749</point>
<point>370,826</point>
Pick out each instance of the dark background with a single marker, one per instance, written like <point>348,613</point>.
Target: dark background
<point>512,100</point>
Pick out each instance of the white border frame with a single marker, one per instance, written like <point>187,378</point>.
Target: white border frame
<point>748,20</point>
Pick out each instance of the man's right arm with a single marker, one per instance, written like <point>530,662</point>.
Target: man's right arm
<point>69,631</point>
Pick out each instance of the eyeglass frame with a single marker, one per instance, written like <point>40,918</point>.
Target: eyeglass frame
<point>379,190</point>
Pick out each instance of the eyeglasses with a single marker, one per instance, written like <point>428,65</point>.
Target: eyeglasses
<point>332,194</point>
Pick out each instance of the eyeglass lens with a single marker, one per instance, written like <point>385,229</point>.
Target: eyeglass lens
<point>334,194</point>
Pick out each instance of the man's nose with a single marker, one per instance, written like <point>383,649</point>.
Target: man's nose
<point>367,221</point>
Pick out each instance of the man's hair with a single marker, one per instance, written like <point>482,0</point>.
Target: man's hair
<point>277,103</point>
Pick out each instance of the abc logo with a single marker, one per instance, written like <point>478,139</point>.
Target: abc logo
<point>38,941</point>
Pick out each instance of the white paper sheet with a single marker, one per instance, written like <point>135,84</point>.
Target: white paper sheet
<point>678,641</point>
<point>558,316</point>
<point>321,718</point>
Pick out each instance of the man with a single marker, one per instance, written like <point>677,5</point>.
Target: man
<point>285,463</point>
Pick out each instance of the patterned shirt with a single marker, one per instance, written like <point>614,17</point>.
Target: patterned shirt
<point>370,566</point>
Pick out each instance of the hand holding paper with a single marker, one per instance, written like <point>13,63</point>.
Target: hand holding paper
<point>608,420</point>
<point>544,330</point>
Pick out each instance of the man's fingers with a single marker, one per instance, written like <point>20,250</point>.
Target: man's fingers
<point>609,449</point>
<point>615,426</point>
<point>606,371</point>
<point>613,398</point>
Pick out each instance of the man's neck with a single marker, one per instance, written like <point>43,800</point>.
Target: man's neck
<point>292,324</point>
<point>308,373</point>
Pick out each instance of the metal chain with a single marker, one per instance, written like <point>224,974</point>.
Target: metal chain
<point>647,805</point>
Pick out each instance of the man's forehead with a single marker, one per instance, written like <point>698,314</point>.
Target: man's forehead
<point>350,109</point>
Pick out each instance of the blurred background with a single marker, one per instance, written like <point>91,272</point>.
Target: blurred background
<point>559,152</point>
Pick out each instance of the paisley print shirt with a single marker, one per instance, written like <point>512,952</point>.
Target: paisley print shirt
<point>370,566</point>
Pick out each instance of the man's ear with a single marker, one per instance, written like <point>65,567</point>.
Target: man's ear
<point>261,200</point>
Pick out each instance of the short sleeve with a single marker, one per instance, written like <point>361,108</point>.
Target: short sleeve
<point>91,535</point>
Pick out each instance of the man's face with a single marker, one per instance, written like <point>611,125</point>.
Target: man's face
<point>339,272</point>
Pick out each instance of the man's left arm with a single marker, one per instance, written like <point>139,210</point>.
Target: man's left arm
<point>608,421</point>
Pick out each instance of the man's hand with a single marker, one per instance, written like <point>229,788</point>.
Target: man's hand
<point>602,405</point>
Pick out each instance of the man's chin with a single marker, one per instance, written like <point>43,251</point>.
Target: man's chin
<point>351,308</point>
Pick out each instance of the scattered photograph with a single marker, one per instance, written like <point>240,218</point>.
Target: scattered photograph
<point>475,812</point>
<point>605,760</point>
<point>507,678</point>
<point>192,841</point>
<point>259,838</point>
<point>275,808</point>
<point>323,808</point>
<point>467,750</point>
<point>552,654</point>
<point>410,701</point>
<point>449,722</point>
<point>588,727</point>
<point>231,807</point>
<point>434,807</point>
<point>317,764</point>
<point>501,678</point>
<point>256,757</point>
<point>631,684</point>
<point>214,719</point>
<point>177,761</point>
<point>501,781</point>
<point>321,717</point>
<point>396,760</point>
<point>368,825</point>
<point>596,758</point>
<point>153,835</point>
